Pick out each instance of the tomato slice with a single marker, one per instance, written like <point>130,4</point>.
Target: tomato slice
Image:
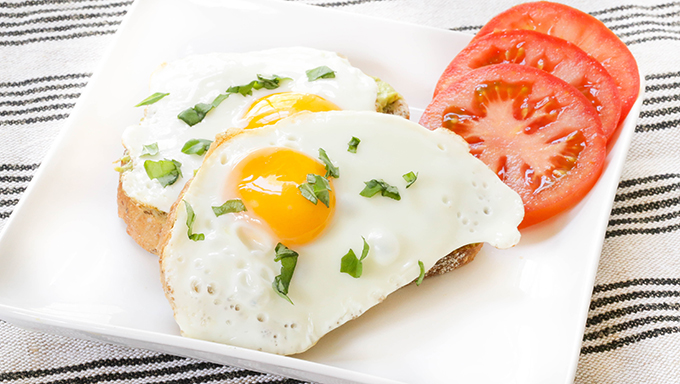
<point>551,54</point>
<point>577,27</point>
<point>539,134</point>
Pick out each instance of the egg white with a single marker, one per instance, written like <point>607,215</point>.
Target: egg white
<point>221,288</point>
<point>201,78</point>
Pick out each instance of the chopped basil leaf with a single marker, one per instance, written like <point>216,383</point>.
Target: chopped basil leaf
<point>150,150</point>
<point>308,192</point>
<point>152,99</point>
<point>353,144</point>
<point>364,251</point>
<point>190,223</point>
<point>288,259</point>
<point>410,178</point>
<point>125,164</point>
<point>165,171</point>
<point>316,188</point>
<point>196,146</point>
<point>196,114</point>
<point>374,187</point>
<point>352,266</point>
<point>272,83</point>
<point>244,90</point>
<point>331,170</point>
<point>219,99</point>
<point>322,72</point>
<point>231,206</point>
<point>422,273</point>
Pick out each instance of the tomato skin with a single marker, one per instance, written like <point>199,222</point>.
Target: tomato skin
<point>551,54</point>
<point>499,132</point>
<point>581,29</point>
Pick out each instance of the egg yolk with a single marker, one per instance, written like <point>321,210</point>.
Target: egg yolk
<point>267,183</point>
<point>272,108</point>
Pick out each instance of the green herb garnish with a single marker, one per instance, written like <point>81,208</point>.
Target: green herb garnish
<point>149,150</point>
<point>422,273</point>
<point>165,171</point>
<point>196,114</point>
<point>353,144</point>
<point>196,146</point>
<point>410,178</point>
<point>374,187</point>
<point>231,206</point>
<point>351,265</point>
<point>331,170</point>
<point>190,223</point>
<point>322,72</point>
<point>152,99</point>
<point>125,164</point>
<point>288,259</point>
<point>316,188</point>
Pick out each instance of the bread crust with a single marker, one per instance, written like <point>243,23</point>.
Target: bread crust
<point>144,222</point>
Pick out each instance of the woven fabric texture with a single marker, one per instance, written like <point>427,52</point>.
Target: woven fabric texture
<point>49,49</point>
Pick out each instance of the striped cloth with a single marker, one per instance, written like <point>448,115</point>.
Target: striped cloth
<point>48,50</point>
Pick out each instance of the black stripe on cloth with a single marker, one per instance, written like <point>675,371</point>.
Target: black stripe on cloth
<point>646,22</point>
<point>660,112</point>
<point>635,282</point>
<point>193,369</point>
<point>632,15</point>
<point>620,312</point>
<point>46,88</point>
<point>9,203</point>
<point>50,10</point>
<point>651,30</point>
<point>15,179</point>
<point>467,28</point>
<point>26,82</point>
<point>653,38</point>
<point>641,231</point>
<point>601,302</point>
<point>661,99</point>
<point>647,179</point>
<point>19,103</point>
<point>644,220</point>
<point>647,192</point>
<point>644,207</point>
<point>627,7</point>
<point>43,108</point>
<point>18,167</point>
<point>12,191</point>
<point>657,126</point>
<point>56,38</point>
<point>32,120</point>
<point>604,332</point>
<point>662,76</point>
<point>629,340</point>
<point>32,3</point>
<point>4,215</point>
<point>345,3</point>
<point>659,87</point>
<point>60,28</point>
<point>71,17</point>
<point>96,364</point>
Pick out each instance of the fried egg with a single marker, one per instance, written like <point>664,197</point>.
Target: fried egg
<point>222,284</point>
<point>202,78</point>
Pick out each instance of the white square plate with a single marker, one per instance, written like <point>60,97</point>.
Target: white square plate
<point>67,266</point>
